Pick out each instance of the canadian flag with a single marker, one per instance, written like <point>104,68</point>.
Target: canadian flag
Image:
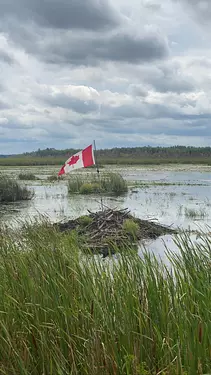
<point>82,159</point>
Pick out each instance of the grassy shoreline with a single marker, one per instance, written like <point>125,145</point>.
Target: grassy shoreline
<point>64,313</point>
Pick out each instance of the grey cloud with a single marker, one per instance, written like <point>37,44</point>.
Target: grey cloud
<point>137,90</point>
<point>171,84</point>
<point>22,35</point>
<point>133,49</point>
<point>201,9</point>
<point>61,37</point>
<point>89,50</point>
<point>56,44</point>
<point>146,110</point>
<point>166,76</point>
<point>77,105</point>
<point>149,111</point>
<point>153,6</point>
<point>14,124</point>
<point>6,58</point>
<point>141,125</point>
<point>63,14</point>
<point>3,105</point>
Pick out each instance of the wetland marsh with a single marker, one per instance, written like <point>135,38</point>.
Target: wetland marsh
<point>64,312</point>
<point>177,196</point>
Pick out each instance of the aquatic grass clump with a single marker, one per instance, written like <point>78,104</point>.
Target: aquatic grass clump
<point>27,176</point>
<point>74,184</point>
<point>109,183</point>
<point>131,228</point>
<point>90,188</point>
<point>192,213</point>
<point>115,183</point>
<point>66,313</point>
<point>12,191</point>
<point>85,220</point>
<point>52,178</point>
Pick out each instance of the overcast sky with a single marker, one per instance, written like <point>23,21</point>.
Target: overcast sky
<point>126,73</point>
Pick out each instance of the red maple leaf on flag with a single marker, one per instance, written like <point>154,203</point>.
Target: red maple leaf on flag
<point>74,159</point>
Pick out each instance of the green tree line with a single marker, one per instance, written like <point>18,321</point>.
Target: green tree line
<point>134,152</point>
<point>123,155</point>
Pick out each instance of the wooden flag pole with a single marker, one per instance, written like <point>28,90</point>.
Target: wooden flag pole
<point>98,174</point>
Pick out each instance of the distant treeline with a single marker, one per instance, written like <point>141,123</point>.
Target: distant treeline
<point>124,155</point>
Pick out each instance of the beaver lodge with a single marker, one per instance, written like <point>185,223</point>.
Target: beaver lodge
<point>110,230</point>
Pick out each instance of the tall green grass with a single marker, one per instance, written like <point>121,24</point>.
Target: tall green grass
<point>110,183</point>
<point>62,312</point>
<point>11,190</point>
<point>74,184</point>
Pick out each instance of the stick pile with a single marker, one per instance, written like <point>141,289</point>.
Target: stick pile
<point>105,229</point>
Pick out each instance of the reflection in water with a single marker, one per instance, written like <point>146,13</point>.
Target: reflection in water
<point>158,247</point>
<point>164,245</point>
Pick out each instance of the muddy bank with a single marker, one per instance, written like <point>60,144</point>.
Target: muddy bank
<point>111,230</point>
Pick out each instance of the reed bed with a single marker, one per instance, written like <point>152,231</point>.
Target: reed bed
<point>109,183</point>
<point>12,191</point>
<point>65,313</point>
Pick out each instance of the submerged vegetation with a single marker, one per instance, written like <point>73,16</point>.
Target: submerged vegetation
<point>148,184</point>
<point>67,313</point>
<point>12,191</point>
<point>110,183</point>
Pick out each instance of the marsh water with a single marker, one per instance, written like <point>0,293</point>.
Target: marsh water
<point>171,195</point>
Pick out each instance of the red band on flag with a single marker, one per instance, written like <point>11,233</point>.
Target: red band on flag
<point>62,171</point>
<point>87,157</point>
